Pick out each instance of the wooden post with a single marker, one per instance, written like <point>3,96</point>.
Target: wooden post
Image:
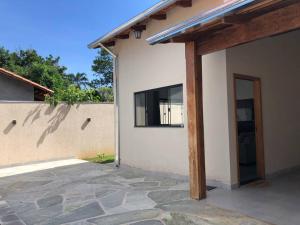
<point>195,122</point>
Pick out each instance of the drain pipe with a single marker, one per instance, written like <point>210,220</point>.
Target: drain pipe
<point>116,103</point>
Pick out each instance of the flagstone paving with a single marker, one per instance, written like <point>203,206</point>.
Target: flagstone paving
<point>102,194</point>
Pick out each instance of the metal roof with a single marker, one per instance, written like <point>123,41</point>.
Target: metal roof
<point>201,19</point>
<point>139,18</point>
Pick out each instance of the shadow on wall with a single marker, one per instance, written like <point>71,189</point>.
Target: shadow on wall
<point>33,113</point>
<point>55,121</point>
<point>9,127</point>
<point>86,123</point>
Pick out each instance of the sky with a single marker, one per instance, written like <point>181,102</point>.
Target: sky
<point>64,27</point>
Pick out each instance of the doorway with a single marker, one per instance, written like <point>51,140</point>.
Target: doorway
<point>248,109</point>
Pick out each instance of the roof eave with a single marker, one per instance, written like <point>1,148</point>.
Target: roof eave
<point>201,19</point>
<point>18,77</point>
<point>139,18</point>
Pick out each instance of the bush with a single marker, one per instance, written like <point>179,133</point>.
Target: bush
<point>72,95</point>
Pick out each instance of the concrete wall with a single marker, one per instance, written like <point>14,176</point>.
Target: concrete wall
<point>15,90</point>
<point>143,67</point>
<point>44,132</point>
<point>216,127</point>
<point>276,61</point>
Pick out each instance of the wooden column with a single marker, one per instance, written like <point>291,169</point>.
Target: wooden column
<point>195,122</point>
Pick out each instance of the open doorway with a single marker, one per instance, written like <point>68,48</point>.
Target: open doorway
<point>251,165</point>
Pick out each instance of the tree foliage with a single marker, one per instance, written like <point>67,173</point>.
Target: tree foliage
<point>103,68</point>
<point>47,71</point>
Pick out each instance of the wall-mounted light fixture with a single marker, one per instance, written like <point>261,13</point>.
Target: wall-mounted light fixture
<point>88,119</point>
<point>14,122</point>
<point>137,34</point>
<point>137,30</point>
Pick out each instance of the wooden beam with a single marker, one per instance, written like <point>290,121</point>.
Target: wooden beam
<point>234,19</point>
<point>122,36</point>
<point>195,122</point>
<point>110,44</point>
<point>184,3</point>
<point>272,23</point>
<point>139,27</point>
<point>160,16</point>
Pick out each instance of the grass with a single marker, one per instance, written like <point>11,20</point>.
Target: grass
<point>102,159</point>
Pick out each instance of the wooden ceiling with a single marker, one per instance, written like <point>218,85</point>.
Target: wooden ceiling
<point>161,15</point>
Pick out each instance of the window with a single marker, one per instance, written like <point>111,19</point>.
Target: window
<point>162,107</point>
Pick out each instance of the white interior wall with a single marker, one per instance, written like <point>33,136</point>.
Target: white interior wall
<point>276,61</point>
<point>215,115</point>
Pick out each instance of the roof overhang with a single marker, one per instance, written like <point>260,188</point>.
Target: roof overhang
<point>200,20</point>
<point>24,80</point>
<point>233,23</point>
<point>141,17</point>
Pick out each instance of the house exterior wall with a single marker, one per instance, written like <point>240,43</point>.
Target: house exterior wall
<point>45,133</point>
<point>276,61</point>
<point>143,67</point>
<point>15,90</point>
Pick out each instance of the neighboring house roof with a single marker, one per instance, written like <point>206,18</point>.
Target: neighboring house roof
<point>158,9</point>
<point>18,77</point>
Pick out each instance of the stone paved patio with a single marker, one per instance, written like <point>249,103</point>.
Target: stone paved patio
<point>101,194</point>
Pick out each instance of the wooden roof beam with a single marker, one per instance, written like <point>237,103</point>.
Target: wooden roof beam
<point>184,3</point>
<point>122,36</point>
<point>273,23</point>
<point>139,27</point>
<point>110,44</point>
<point>234,19</point>
<point>159,16</point>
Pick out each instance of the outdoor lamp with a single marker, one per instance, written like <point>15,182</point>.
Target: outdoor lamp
<point>137,30</point>
<point>137,34</point>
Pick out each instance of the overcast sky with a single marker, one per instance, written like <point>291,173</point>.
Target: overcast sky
<point>64,27</point>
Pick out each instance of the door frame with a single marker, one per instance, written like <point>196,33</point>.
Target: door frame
<point>260,154</point>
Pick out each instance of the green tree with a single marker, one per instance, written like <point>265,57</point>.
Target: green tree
<point>103,68</point>
<point>106,94</point>
<point>79,79</point>
<point>32,66</point>
<point>70,88</point>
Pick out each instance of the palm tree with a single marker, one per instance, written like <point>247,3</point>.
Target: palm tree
<point>79,79</point>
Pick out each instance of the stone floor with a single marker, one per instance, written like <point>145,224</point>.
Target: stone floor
<point>101,194</point>
<point>276,200</point>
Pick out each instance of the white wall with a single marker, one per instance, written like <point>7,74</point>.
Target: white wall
<point>157,149</point>
<point>216,131</point>
<point>144,67</point>
<point>44,132</point>
<point>276,61</point>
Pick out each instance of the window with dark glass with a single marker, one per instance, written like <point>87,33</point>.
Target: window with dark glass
<point>162,107</point>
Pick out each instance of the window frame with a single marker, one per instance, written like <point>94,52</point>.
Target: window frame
<point>156,89</point>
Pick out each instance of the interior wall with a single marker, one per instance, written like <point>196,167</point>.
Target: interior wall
<point>215,109</point>
<point>276,61</point>
<point>43,132</point>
